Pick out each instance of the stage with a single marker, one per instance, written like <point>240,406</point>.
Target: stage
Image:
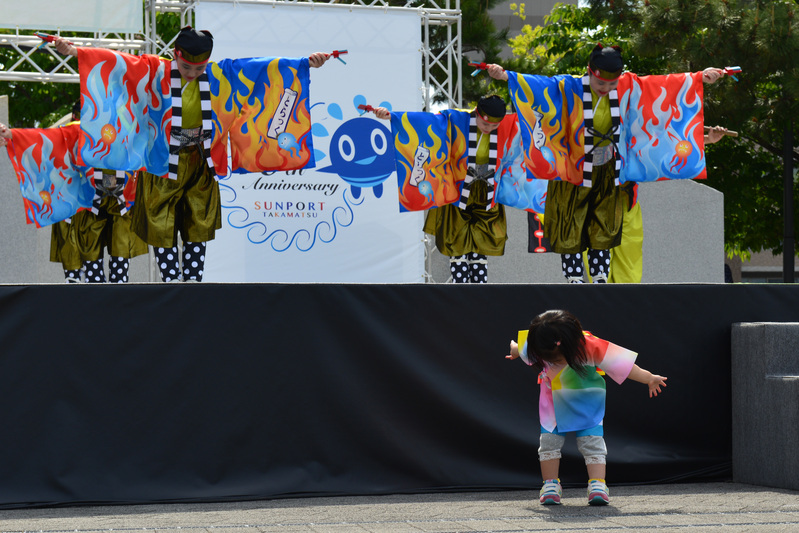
<point>212,392</point>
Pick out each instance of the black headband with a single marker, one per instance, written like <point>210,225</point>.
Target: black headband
<point>491,108</point>
<point>606,62</point>
<point>194,46</point>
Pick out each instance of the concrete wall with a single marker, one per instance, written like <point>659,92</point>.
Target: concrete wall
<point>765,404</point>
<point>25,256</point>
<point>23,246</point>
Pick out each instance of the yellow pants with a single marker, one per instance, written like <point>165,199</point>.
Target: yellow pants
<point>627,259</point>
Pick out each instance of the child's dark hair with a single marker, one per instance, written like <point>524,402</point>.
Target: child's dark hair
<point>555,333</point>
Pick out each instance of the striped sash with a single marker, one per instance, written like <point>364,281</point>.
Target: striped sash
<point>176,139</point>
<point>593,137</point>
<point>471,162</point>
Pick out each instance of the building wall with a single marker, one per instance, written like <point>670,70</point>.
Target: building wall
<point>762,267</point>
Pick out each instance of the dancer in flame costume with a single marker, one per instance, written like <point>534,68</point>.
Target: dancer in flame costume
<point>181,124</point>
<point>467,224</point>
<point>599,131</point>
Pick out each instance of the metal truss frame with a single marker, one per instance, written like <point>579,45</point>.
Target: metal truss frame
<point>29,65</point>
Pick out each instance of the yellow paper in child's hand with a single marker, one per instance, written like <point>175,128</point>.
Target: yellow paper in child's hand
<point>522,338</point>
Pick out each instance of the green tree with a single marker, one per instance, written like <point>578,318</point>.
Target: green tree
<point>562,45</point>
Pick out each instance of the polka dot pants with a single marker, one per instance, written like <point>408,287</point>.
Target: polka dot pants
<point>598,266</point>
<point>72,276</point>
<point>572,265</point>
<point>193,262</point>
<point>168,263</point>
<point>94,271</point>
<point>118,269</point>
<point>469,268</point>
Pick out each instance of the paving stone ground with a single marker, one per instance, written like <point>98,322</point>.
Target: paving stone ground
<point>700,508</point>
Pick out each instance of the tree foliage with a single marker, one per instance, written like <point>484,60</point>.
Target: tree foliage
<point>481,42</point>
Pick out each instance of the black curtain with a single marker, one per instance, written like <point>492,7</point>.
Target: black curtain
<point>212,392</point>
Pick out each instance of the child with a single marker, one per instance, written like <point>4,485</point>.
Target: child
<point>573,394</point>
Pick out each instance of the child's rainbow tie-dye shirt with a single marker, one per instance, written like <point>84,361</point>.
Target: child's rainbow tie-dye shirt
<point>570,402</point>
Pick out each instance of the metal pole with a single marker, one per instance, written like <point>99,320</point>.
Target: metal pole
<point>788,248</point>
<point>450,87</point>
<point>426,55</point>
<point>458,57</point>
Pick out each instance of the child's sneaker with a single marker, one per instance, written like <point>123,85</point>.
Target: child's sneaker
<point>551,492</point>
<point>598,493</point>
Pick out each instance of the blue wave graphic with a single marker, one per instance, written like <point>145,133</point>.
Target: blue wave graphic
<point>281,240</point>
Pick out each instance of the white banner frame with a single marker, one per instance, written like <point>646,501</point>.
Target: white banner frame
<point>109,16</point>
<point>363,238</point>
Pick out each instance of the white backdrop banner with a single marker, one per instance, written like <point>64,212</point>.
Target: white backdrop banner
<point>117,16</point>
<point>340,221</point>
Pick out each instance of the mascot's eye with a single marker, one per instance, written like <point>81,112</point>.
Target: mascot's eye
<point>379,142</point>
<point>346,148</point>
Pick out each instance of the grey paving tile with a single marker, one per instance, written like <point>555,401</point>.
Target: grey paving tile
<point>671,508</point>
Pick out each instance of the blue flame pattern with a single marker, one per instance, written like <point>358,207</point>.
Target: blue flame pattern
<point>51,191</point>
<point>130,99</point>
<point>650,135</point>
<point>516,187</point>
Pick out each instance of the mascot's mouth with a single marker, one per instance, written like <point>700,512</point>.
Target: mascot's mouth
<point>362,179</point>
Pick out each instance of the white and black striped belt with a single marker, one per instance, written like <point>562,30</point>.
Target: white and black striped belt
<point>188,137</point>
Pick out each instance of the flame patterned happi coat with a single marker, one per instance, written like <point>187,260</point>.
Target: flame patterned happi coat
<point>260,106</point>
